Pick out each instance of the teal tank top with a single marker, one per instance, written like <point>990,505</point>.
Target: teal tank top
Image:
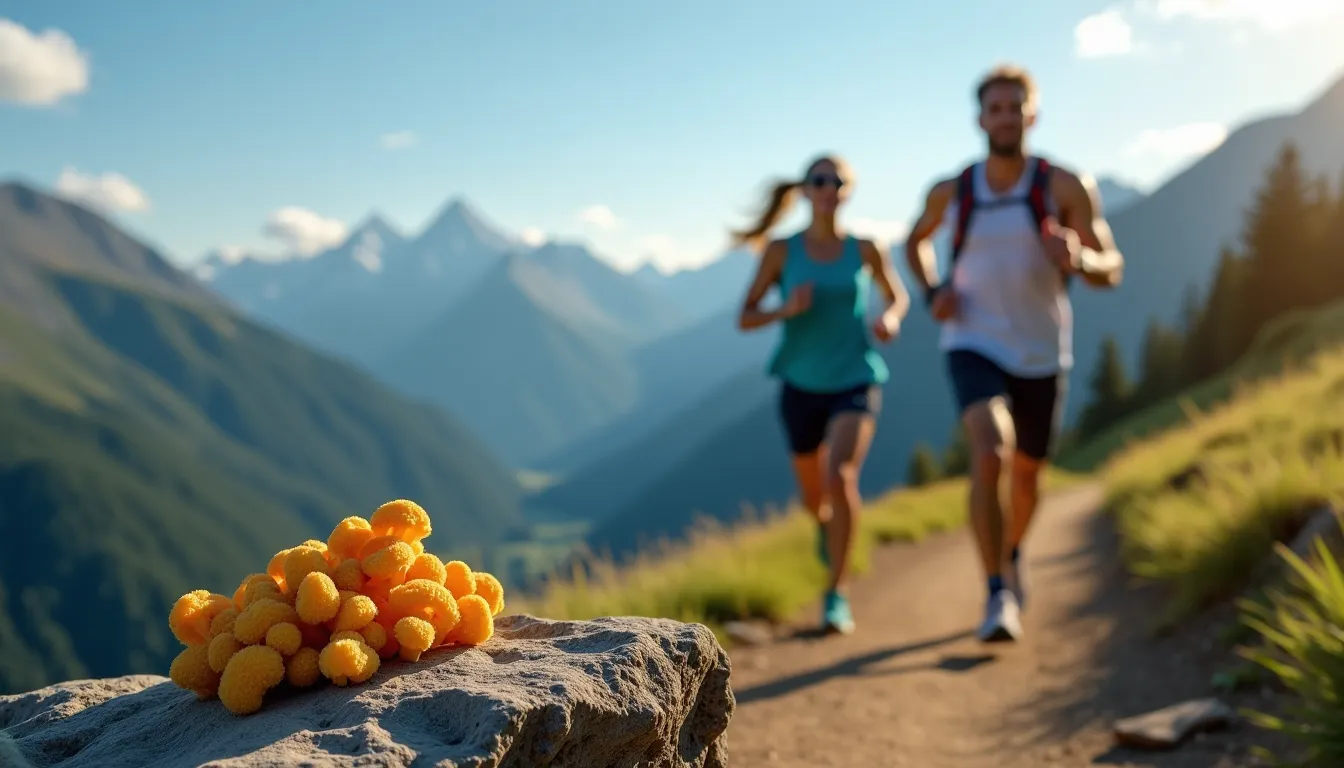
<point>828,347</point>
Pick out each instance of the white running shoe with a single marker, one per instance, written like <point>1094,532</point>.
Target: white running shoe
<point>1014,580</point>
<point>1003,622</point>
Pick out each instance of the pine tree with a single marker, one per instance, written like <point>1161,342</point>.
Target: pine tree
<point>1160,374</point>
<point>1223,331</point>
<point>1191,307</point>
<point>923,466</point>
<point>1278,241</point>
<point>1318,261</point>
<point>1110,391</point>
<point>1332,249</point>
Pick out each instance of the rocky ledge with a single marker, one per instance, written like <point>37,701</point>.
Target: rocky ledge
<point>607,692</point>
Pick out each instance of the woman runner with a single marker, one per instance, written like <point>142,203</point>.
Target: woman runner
<point>831,376</point>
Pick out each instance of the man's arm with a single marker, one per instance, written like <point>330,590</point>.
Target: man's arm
<point>919,253</point>
<point>886,279</point>
<point>1100,262</point>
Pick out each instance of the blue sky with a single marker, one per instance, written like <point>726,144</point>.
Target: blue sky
<point>195,124</point>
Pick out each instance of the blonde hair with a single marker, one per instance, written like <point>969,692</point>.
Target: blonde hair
<point>781,197</point>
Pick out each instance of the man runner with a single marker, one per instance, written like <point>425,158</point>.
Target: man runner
<point>1022,228</point>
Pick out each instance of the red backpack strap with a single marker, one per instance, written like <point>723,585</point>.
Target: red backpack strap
<point>965,205</point>
<point>1040,187</point>
<point>1036,199</point>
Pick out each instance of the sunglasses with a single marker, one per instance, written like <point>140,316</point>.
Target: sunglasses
<point>819,180</point>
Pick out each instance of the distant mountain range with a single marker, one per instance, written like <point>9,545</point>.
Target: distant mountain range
<point>534,347</point>
<point>156,441</point>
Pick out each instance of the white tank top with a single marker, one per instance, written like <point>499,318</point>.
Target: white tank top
<point>1015,307</point>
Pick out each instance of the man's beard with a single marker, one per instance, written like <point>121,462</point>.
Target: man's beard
<point>1009,149</point>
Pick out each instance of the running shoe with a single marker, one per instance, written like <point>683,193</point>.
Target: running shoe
<point>836,617</point>
<point>1002,622</point>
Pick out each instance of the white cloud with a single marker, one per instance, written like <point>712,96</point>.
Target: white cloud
<point>39,69</point>
<point>109,192</point>
<point>1183,141</point>
<point>303,231</point>
<point>1103,34</point>
<point>599,216</point>
<point>398,140</point>
<point>532,236</point>
<point>884,233</point>
<point>1277,15</point>
<point>231,254</point>
<point>659,248</point>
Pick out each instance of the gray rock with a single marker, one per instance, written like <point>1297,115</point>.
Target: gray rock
<point>608,692</point>
<point>1168,728</point>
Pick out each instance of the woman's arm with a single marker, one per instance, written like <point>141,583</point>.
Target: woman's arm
<point>887,279</point>
<point>768,271</point>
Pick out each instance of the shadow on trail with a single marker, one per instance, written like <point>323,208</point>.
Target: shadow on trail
<point>1134,671</point>
<point>860,665</point>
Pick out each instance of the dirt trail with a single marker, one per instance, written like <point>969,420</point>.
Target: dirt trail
<point>912,687</point>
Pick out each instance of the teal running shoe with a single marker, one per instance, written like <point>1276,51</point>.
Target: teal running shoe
<point>836,616</point>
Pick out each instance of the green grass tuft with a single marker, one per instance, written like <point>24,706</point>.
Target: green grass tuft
<point>1302,627</point>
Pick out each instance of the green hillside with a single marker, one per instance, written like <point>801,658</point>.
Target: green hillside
<point>154,445</point>
<point>310,416</point>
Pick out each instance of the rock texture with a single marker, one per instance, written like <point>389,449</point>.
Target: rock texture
<point>1168,728</point>
<point>608,692</point>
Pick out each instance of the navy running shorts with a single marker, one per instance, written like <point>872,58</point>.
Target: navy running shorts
<point>1036,404</point>
<point>807,415</point>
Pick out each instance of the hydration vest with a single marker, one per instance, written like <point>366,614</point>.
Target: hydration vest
<point>967,202</point>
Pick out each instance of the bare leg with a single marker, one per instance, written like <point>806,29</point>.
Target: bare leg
<point>989,430</point>
<point>807,468</point>
<point>850,436</point>
<point>1026,481</point>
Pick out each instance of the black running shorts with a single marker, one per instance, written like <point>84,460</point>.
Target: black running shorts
<point>807,415</point>
<point>1036,404</point>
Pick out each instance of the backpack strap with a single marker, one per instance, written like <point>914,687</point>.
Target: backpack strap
<point>965,205</point>
<point>1036,197</point>
<point>1040,187</point>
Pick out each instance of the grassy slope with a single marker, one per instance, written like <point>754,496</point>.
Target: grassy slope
<point>1201,500</point>
<point>167,448</point>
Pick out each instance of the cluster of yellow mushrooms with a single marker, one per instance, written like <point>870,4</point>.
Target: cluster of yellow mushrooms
<point>332,610</point>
